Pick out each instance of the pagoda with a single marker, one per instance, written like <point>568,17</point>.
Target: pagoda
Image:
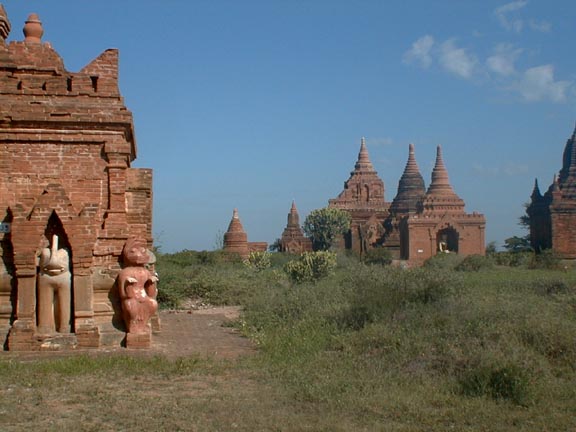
<point>363,198</point>
<point>440,223</point>
<point>411,190</point>
<point>293,239</point>
<point>553,215</point>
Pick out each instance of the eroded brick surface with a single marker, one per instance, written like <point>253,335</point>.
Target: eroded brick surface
<point>66,148</point>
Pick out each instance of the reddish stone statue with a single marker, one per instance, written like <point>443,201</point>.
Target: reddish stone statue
<point>137,287</point>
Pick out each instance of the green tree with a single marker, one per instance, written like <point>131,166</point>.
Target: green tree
<point>517,244</point>
<point>324,225</point>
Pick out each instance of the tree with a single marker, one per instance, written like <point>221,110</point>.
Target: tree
<point>491,248</point>
<point>517,244</point>
<point>276,246</point>
<point>325,225</point>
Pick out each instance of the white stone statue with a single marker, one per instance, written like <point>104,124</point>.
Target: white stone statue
<point>54,290</point>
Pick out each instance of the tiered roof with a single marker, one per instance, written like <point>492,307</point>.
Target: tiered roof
<point>364,190</point>
<point>440,195</point>
<point>411,187</point>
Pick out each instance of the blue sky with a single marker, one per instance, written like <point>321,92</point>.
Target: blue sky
<point>252,104</point>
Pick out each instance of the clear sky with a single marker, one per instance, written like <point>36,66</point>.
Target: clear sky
<point>252,104</point>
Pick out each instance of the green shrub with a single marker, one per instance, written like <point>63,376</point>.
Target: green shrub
<point>508,382</point>
<point>512,259</point>
<point>443,261</point>
<point>258,261</point>
<point>381,293</point>
<point>549,286</point>
<point>547,259</point>
<point>311,266</point>
<point>475,263</point>
<point>378,255</point>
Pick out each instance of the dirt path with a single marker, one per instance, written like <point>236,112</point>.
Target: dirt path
<point>183,333</point>
<point>201,332</point>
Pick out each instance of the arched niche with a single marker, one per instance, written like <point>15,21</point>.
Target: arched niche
<point>447,240</point>
<point>8,281</point>
<point>55,291</point>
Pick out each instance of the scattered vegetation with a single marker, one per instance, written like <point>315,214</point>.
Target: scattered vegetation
<point>311,266</point>
<point>460,344</point>
<point>324,226</point>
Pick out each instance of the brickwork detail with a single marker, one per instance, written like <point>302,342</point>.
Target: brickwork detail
<point>66,146</point>
<point>553,215</point>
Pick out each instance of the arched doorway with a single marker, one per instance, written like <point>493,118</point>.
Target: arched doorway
<point>447,240</point>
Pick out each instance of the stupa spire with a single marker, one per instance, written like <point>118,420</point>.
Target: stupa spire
<point>293,216</point>
<point>536,195</point>
<point>410,187</point>
<point>4,24</point>
<point>440,184</point>
<point>363,164</point>
<point>236,239</point>
<point>569,161</point>
<point>33,30</point>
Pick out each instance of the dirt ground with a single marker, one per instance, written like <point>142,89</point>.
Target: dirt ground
<point>203,332</point>
<point>200,332</point>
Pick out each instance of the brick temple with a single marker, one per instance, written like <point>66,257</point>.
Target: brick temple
<point>236,240</point>
<point>418,223</point>
<point>363,198</point>
<point>66,148</point>
<point>293,239</point>
<point>553,215</point>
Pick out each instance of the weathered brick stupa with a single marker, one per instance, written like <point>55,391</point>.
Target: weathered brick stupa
<point>236,239</point>
<point>68,196</point>
<point>553,215</point>
<point>440,224</point>
<point>293,240</point>
<point>411,190</point>
<point>363,198</point>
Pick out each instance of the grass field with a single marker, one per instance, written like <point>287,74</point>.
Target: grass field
<point>366,348</point>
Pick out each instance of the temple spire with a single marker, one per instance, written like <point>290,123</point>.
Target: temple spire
<point>440,184</point>
<point>569,161</point>
<point>4,24</point>
<point>536,195</point>
<point>236,239</point>
<point>293,216</point>
<point>363,164</point>
<point>410,187</point>
<point>33,30</point>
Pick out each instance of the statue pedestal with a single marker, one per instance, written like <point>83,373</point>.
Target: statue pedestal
<point>138,340</point>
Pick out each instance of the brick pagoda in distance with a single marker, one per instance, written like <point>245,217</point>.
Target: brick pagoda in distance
<point>553,215</point>
<point>66,148</point>
<point>418,224</point>
<point>293,240</point>
<point>363,198</point>
<point>236,240</point>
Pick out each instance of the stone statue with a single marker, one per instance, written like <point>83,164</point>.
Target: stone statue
<point>137,287</point>
<point>54,282</point>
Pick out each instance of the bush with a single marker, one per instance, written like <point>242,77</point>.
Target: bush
<point>475,263</point>
<point>512,259</point>
<point>258,261</point>
<point>380,294</point>
<point>378,255</point>
<point>443,261</point>
<point>549,286</point>
<point>547,259</point>
<point>311,266</point>
<point>509,382</point>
